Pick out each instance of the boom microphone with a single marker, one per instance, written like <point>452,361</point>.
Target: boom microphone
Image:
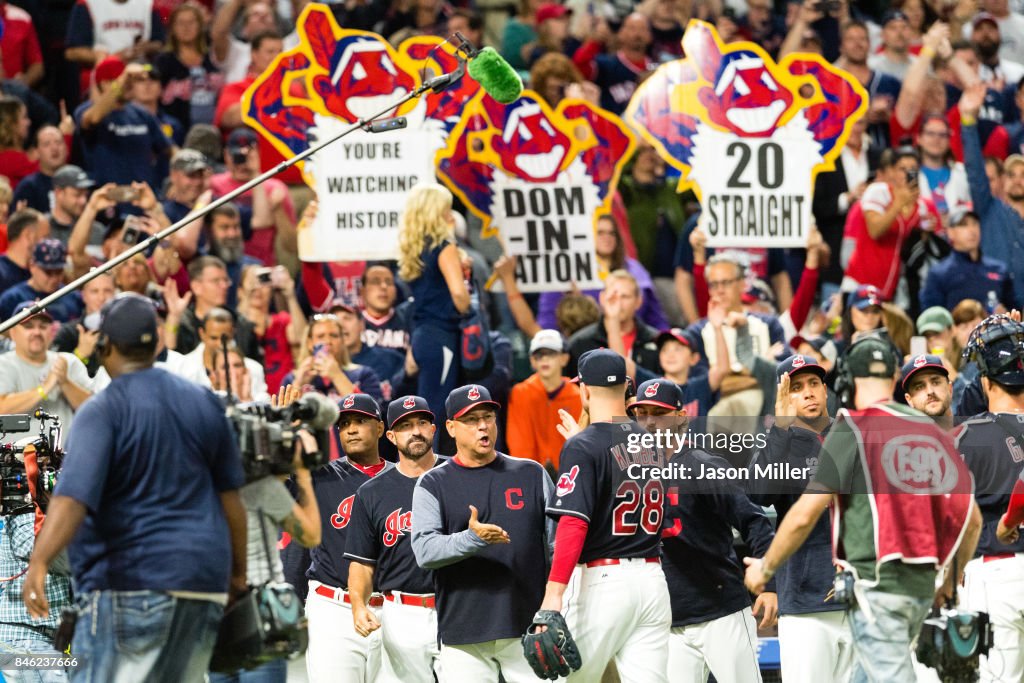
<point>496,76</point>
<point>488,68</point>
<point>318,411</point>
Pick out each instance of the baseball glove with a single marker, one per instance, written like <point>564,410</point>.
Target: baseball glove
<point>551,653</point>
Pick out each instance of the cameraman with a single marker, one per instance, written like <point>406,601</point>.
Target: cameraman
<point>883,464</point>
<point>269,507</point>
<point>148,501</point>
<point>19,632</point>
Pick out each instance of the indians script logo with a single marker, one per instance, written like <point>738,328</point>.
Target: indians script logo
<point>473,393</point>
<point>336,75</point>
<point>348,402</point>
<point>652,391</point>
<point>567,482</point>
<point>396,524</point>
<point>409,403</point>
<point>527,158</point>
<point>919,464</point>
<point>747,134</point>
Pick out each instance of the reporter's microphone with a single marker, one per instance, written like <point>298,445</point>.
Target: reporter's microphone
<point>496,76</point>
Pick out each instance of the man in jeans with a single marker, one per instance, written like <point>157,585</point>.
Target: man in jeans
<point>903,506</point>
<point>148,501</point>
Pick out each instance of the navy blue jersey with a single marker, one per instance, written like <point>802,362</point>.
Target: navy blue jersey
<point>335,485</point>
<point>390,331</point>
<point>602,480</point>
<point>805,579</point>
<point>381,530</point>
<point>484,592</point>
<point>704,575</point>
<point>994,452</point>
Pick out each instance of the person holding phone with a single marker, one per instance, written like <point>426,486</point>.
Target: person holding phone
<point>79,336</point>
<point>878,225</point>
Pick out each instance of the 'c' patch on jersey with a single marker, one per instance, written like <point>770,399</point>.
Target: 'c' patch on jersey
<point>567,482</point>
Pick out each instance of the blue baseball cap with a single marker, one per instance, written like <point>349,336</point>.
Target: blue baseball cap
<point>918,364</point>
<point>463,399</point>
<point>400,408</point>
<point>50,254</point>
<point>359,403</point>
<point>660,392</point>
<point>602,368</point>
<point>864,296</point>
<point>798,363</point>
<point>29,304</point>
<point>129,319</point>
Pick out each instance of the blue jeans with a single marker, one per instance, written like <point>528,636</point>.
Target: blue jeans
<point>38,646</point>
<point>882,644</point>
<point>271,672</point>
<point>134,636</point>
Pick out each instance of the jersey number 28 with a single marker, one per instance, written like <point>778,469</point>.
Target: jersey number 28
<point>638,508</point>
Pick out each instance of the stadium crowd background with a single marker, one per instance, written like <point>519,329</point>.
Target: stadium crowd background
<point>106,94</point>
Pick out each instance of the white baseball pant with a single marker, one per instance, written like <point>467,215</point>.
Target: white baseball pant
<point>481,662</point>
<point>409,638</point>
<point>336,652</point>
<point>726,647</point>
<point>815,647</point>
<point>620,612</point>
<point>997,587</point>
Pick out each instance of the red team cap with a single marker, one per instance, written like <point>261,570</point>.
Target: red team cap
<point>464,399</point>
<point>401,408</point>
<point>109,69</point>
<point>660,392</point>
<point>359,403</point>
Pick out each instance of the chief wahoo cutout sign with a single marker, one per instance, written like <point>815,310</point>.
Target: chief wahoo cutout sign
<point>540,177</point>
<point>747,134</point>
<point>331,79</point>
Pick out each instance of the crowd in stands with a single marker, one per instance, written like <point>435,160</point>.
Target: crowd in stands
<point>118,117</point>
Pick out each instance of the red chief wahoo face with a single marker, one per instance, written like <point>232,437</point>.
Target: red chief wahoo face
<point>652,390</point>
<point>364,80</point>
<point>409,403</point>
<point>746,99</point>
<point>530,146</point>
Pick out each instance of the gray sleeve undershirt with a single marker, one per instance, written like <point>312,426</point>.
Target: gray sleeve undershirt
<point>432,548</point>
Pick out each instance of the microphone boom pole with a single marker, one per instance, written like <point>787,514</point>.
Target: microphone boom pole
<point>437,84</point>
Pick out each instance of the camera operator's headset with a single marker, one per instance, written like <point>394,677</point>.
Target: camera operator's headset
<point>845,387</point>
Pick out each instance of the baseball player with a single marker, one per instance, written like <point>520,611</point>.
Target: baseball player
<point>378,546</point>
<point>926,387</point>
<point>713,628</point>
<point>814,638</point>
<point>993,448</point>
<point>609,516</point>
<point>336,651</point>
<point>479,523</point>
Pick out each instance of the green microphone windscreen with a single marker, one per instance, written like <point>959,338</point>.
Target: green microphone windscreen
<point>496,76</point>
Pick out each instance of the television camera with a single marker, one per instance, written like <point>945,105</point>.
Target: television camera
<point>29,460</point>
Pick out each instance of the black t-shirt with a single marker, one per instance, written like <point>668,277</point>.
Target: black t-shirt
<point>335,485</point>
<point>381,530</point>
<point>602,481</point>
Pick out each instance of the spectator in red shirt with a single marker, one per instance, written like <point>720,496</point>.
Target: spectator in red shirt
<point>14,127</point>
<point>265,47</point>
<point>883,219</point>
<point>278,333</point>
<point>22,60</point>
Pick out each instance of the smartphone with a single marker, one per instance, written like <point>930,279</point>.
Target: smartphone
<point>918,346</point>
<point>319,350</point>
<point>91,322</point>
<point>911,177</point>
<point>123,193</point>
<point>263,275</point>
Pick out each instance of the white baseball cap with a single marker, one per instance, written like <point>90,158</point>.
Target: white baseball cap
<point>547,339</point>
